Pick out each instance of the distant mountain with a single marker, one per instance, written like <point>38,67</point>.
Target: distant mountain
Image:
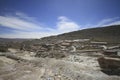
<point>12,40</point>
<point>109,34</point>
<point>12,43</point>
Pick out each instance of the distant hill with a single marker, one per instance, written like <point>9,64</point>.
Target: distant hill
<point>109,34</point>
<point>12,40</point>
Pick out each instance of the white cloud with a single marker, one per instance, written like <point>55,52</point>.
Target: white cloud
<point>18,34</point>
<point>66,25</point>
<point>27,27</point>
<point>113,23</point>
<point>108,21</point>
<point>63,18</point>
<point>26,17</point>
<point>104,22</point>
<point>17,23</point>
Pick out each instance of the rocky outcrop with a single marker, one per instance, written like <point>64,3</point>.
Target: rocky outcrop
<point>51,54</point>
<point>110,66</point>
<point>11,56</point>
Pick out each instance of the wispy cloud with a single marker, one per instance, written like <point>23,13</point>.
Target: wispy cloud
<point>17,23</point>
<point>26,17</point>
<point>66,25</point>
<point>104,22</point>
<point>20,34</point>
<point>27,27</point>
<point>108,22</point>
<point>23,26</point>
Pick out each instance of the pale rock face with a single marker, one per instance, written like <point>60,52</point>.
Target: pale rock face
<point>118,53</point>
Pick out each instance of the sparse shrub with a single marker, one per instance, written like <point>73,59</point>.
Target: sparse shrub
<point>51,54</point>
<point>3,49</point>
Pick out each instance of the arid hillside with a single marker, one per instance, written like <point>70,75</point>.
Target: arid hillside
<point>109,34</point>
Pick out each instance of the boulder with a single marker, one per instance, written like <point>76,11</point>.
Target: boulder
<point>110,66</point>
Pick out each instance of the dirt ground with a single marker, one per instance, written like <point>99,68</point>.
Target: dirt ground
<point>72,67</point>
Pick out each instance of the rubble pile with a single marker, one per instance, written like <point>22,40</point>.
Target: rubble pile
<point>80,59</point>
<point>51,54</point>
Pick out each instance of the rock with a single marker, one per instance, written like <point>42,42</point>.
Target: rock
<point>110,53</point>
<point>51,54</point>
<point>11,56</point>
<point>110,66</point>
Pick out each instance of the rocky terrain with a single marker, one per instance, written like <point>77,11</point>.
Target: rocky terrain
<point>108,33</point>
<point>63,59</point>
<point>72,67</point>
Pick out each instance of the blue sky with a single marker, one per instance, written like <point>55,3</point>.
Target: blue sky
<point>39,18</point>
